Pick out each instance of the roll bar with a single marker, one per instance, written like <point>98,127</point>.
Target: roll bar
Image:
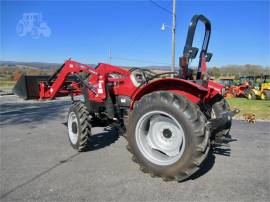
<point>191,32</point>
<point>190,52</point>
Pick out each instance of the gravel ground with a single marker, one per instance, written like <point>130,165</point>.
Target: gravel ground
<point>37,162</point>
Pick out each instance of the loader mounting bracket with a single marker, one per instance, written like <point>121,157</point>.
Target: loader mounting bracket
<point>223,122</point>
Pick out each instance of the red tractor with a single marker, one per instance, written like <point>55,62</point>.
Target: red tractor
<point>170,123</point>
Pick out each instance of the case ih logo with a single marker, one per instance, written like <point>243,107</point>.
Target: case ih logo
<point>32,24</point>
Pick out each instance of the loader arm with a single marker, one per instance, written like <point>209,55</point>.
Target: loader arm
<point>50,88</point>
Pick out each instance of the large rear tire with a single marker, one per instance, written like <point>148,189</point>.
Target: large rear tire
<point>79,127</point>
<point>167,136</point>
<point>265,95</point>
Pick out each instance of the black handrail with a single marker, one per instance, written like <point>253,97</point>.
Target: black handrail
<point>191,52</point>
<point>191,33</point>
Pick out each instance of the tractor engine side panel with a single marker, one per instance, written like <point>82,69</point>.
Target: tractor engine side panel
<point>111,80</point>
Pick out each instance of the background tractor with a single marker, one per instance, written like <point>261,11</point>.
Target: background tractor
<point>260,89</point>
<point>241,89</point>
<point>229,84</point>
<point>233,88</point>
<point>169,123</point>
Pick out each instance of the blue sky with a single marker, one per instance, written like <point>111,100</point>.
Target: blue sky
<point>86,30</point>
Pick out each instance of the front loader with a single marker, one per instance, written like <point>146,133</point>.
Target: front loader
<point>169,123</point>
<point>260,88</point>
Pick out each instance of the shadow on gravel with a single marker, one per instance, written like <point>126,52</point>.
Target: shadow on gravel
<point>102,139</point>
<point>39,175</point>
<point>210,160</point>
<point>205,167</point>
<point>31,112</point>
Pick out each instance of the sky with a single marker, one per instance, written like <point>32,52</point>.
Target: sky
<point>86,30</point>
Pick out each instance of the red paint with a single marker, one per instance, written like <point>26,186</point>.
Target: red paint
<point>189,89</point>
<point>204,68</point>
<point>123,85</point>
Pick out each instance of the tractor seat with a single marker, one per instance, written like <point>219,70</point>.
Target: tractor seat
<point>137,77</point>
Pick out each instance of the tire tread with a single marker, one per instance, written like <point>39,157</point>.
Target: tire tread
<point>85,126</point>
<point>197,119</point>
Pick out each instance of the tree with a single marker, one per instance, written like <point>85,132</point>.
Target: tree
<point>16,75</point>
<point>214,71</point>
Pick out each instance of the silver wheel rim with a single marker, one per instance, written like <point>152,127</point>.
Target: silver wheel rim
<point>73,135</point>
<point>160,138</point>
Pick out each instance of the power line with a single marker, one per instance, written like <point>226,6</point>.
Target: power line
<point>140,35</point>
<point>138,60</point>
<point>161,7</point>
<point>173,29</point>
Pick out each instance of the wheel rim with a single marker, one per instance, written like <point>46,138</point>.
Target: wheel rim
<point>160,138</point>
<point>73,128</point>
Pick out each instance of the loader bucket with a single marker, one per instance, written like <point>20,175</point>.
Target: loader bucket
<point>27,87</point>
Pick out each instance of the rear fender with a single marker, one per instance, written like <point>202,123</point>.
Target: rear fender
<point>186,88</point>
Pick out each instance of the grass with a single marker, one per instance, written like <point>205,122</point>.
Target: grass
<point>260,108</point>
<point>6,84</point>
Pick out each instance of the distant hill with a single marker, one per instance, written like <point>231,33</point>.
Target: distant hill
<point>48,66</point>
<point>228,70</point>
<point>34,65</point>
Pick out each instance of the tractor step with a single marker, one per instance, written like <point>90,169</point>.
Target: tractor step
<point>215,144</point>
<point>27,87</point>
<point>223,122</point>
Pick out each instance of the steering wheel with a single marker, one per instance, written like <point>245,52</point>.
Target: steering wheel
<point>138,77</point>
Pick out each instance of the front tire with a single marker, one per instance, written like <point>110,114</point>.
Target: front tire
<point>167,136</point>
<point>79,128</point>
<point>265,95</point>
<point>251,95</point>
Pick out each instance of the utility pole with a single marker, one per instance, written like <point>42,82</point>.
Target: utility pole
<point>110,56</point>
<point>173,28</point>
<point>173,35</point>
